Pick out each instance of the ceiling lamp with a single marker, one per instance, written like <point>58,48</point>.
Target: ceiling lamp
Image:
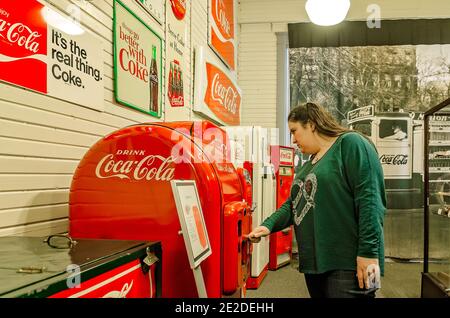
<point>327,12</point>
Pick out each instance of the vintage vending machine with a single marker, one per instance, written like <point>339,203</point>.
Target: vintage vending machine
<point>122,190</point>
<point>281,242</point>
<point>251,150</point>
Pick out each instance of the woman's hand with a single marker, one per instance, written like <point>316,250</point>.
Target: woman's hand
<point>259,231</point>
<point>361,270</point>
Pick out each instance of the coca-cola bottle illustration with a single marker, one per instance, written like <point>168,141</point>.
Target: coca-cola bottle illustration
<point>170,88</point>
<point>181,85</point>
<point>153,82</point>
<point>175,82</point>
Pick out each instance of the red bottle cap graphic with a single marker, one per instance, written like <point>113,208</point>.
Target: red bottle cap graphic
<point>179,8</point>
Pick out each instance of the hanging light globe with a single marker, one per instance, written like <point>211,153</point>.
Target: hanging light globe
<point>327,12</point>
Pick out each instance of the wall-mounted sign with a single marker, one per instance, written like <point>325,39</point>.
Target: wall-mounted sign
<point>222,30</point>
<point>216,95</point>
<point>155,8</point>
<point>176,38</point>
<point>286,156</point>
<point>137,62</point>
<point>359,113</point>
<point>48,52</point>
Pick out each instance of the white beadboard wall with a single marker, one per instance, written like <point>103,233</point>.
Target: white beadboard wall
<point>42,138</point>
<point>260,20</point>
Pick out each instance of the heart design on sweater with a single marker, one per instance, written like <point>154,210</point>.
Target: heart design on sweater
<point>308,191</point>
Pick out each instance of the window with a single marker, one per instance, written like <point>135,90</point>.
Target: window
<point>396,129</point>
<point>364,127</point>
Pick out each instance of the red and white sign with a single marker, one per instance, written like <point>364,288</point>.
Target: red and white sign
<point>23,45</point>
<point>45,51</point>
<point>286,156</point>
<point>216,95</point>
<point>126,281</point>
<point>222,32</point>
<point>176,39</point>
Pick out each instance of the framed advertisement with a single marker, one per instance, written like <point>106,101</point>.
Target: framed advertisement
<point>176,50</point>
<point>137,62</point>
<point>191,219</point>
<point>216,94</point>
<point>222,22</point>
<point>47,51</point>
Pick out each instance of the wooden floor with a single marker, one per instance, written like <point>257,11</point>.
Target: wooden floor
<point>401,280</point>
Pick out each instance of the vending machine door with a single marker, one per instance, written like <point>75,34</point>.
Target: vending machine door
<point>281,242</point>
<point>237,224</point>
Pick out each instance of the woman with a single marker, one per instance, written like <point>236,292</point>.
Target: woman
<point>337,205</point>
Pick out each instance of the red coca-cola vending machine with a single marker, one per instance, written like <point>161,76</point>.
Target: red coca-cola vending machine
<point>280,250</point>
<point>122,190</point>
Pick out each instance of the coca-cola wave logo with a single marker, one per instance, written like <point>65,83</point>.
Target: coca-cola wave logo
<point>23,44</point>
<point>225,95</point>
<point>223,14</point>
<point>222,96</point>
<point>20,35</point>
<point>126,288</point>
<point>148,168</point>
<point>394,159</point>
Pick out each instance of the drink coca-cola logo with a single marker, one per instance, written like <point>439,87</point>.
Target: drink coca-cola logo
<point>226,96</point>
<point>394,159</point>
<point>20,35</point>
<point>149,167</point>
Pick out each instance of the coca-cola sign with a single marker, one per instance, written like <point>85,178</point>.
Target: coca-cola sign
<point>47,51</point>
<point>286,156</point>
<point>223,17</point>
<point>21,35</point>
<point>23,44</point>
<point>137,61</point>
<point>222,38</point>
<point>221,96</point>
<point>395,160</point>
<point>149,167</point>
<point>224,95</point>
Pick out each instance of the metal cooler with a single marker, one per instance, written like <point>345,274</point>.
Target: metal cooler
<point>89,268</point>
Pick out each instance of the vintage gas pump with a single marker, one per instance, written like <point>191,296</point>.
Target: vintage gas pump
<point>282,159</point>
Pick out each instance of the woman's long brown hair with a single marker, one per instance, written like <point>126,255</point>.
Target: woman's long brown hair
<point>322,120</point>
<point>317,115</point>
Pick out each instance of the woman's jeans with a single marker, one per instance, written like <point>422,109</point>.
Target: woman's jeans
<point>336,284</point>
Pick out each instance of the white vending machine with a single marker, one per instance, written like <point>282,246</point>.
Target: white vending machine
<point>250,148</point>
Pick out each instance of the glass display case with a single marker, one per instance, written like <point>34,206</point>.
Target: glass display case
<point>436,269</point>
